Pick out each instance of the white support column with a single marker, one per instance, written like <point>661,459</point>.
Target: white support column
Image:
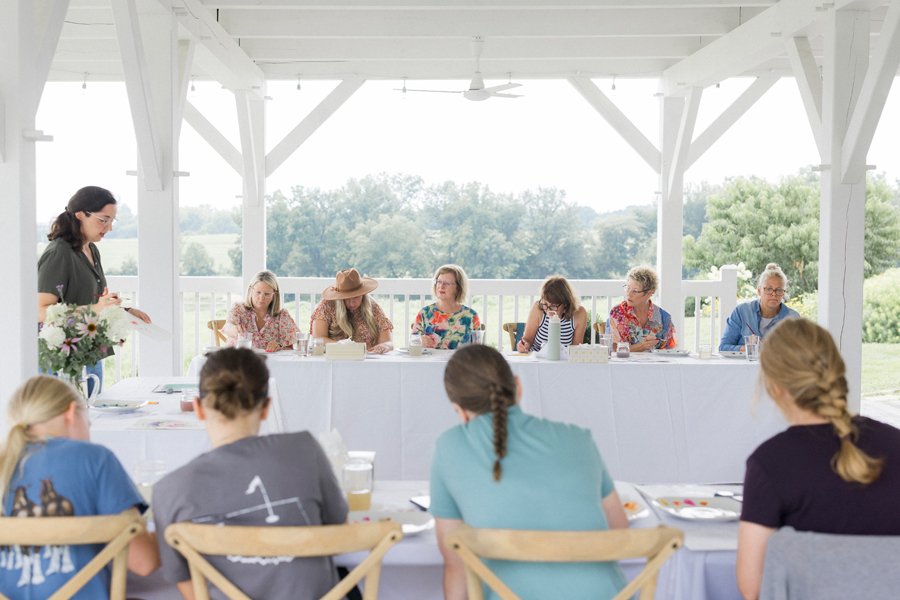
<point>683,143</point>
<point>251,121</point>
<point>843,205</point>
<point>152,79</point>
<point>19,355</point>
<point>670,213</point>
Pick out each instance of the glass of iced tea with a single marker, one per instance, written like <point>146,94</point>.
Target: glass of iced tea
<point>357,483</point>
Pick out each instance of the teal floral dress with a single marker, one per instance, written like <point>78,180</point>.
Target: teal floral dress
<point>446,331</point>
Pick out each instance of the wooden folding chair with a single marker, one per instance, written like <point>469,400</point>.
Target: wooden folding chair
<point>600,327</point>
<point>217,326</point>
<point>116,531</point>
<point>193,540</point>
<point>562,546</point>
<point>515,331</point>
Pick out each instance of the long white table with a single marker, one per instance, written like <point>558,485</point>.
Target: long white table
<point>176,446</point>
<point>685,420</point>
<point>412,570</point>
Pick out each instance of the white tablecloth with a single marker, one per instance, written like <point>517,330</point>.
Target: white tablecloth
<point>413,568</point>
<point>685,420</point>
<point>177,446</point>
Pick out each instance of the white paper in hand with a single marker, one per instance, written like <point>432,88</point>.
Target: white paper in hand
<point>154,332</point>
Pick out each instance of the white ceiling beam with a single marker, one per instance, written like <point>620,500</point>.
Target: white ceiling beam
<point>46,46</point>
<point>217,53</point>
<point>729,117</point>
<point>467,5</point>
<point>618,121</point>
<point>137,86</point>
<point>683,141</point>
<point>213,137</point>
<point>251,125</point>
<point>491,24</point>
<point>185,60</point>
<point>872,97</point>
<point>308,126</point>
<point>809,82</point>
<point>757,40</point>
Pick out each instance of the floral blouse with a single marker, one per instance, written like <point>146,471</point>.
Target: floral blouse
<point>446,331</point>
<point>326,311</point>
<point>281,327</point>
<point>625,327</point>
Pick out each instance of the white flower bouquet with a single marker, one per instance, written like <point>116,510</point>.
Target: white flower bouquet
<point>72,337</point>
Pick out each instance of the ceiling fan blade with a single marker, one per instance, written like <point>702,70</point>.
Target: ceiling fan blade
<point>432,91</point>
<point>501,88</point>
<point>496,95</point>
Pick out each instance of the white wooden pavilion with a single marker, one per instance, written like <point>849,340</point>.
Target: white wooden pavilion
<point>844,56</point>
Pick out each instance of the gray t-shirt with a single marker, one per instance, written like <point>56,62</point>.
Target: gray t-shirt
<point>246,483</point>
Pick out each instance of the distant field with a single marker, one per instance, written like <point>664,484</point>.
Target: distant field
<point>115,251</point>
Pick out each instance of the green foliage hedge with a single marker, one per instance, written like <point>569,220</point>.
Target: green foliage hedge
<point>881,308</point>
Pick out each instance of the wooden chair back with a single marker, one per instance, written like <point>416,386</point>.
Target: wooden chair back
<point>116,531</point>
<point>600,327</point>
<point>193,540</point>
<point>514,330</point>
<point>217,326</point>
<point>657,545</point>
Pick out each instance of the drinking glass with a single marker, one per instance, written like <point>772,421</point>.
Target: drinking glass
<point>317,347</point>
<point>245,340</point>
<point>187,401</point>
<point>476,337</point>
<point>147,473</point>
<point>357,483</point>
<point>622,350</point>
<point>415,345</point>
<point>302,343</point>
<point>705,350</point>
<point>752,352</point>
<point>752,339</point>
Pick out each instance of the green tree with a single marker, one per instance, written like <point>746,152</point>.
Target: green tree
<point>391,246</point>
<point>554,240</point>
<point>126,223</point>
<point>196,261</point>
<point>619,242</point>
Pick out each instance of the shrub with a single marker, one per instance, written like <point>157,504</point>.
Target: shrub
<point>881,308</point>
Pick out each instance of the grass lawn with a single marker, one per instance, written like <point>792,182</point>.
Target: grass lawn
<point>880,368</point>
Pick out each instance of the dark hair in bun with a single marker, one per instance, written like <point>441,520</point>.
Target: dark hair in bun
<point>234,381</point>
<point>87,199</point>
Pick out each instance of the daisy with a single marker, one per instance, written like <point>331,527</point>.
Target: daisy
<point>89,327</point>
<point>67,346</point>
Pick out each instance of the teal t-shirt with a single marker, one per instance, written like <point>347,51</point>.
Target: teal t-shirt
<point>553,479</point>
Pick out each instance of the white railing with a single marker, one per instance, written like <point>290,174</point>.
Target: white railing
<point>497,301</point>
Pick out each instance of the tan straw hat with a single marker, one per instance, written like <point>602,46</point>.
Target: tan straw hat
<point>349,285</point>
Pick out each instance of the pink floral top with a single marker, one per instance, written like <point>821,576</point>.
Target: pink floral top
<point>625,327</point>
<point>326,311</point>
<point>281,327</point>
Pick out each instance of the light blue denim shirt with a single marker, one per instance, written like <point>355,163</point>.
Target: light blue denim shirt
<point>745,320</point>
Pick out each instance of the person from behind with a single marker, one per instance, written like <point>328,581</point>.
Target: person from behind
<point>348,311</point>
<point>757,317</point>
<point>447,324</point>
<point>261,314</point>
<point>250,480</point>
<point>504,469</point>
<point>637,321</point>
<point>830,471</point>
<point>49,468</point>
<point>557,296</point>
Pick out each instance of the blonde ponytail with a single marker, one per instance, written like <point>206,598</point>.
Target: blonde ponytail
<point>802,359</point>
<point>37,400</point>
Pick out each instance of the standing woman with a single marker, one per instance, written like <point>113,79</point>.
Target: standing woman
<point>261,314</point>
<point>557,296</point>
<point>638,321</point>
<point>504,469</point>
<point>71,262</point>
<point>830,471</point>
<point>447,324</point>
<point>347,311</point>
<point>758,316</point>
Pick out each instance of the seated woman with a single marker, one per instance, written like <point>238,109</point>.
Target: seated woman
<point>283,479</point>
<point>638,321</point>
<point>557,296</point>
<point>758,316</point>
<point>261,314</point>
<point>49,468</point>
<point>829,472</point>
<point>447,324</point>
<point>504,469</point>
<point>347,311</point>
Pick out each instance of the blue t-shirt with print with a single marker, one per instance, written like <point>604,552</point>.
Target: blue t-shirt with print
<point>62,477</point>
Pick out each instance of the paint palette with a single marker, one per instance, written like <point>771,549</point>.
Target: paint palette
<point>670,351</point>
<point>700,508</point>
<point>412,521</point>
<point>635,508</point>
<point>118,407</point>
<point>731,354</point>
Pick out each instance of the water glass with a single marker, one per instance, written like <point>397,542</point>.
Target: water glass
<point>623,350</point>
<point>752,352</point>
<point>357,483</point>
<point>147,473</point>
<point>705,350</point>
<point>415,345</point>
<point>245,340</point>
<point>302,343</point>
<point>317,347</point>
<point>187,401</point>
<point>752,339</point>
<point>476,337</point>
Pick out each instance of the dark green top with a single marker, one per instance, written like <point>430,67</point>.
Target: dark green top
<point>61,264</point>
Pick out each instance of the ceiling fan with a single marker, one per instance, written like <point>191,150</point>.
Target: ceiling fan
<point>476,92</point>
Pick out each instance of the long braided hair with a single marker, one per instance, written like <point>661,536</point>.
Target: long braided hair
<point>478,379</point>
<point>802,359</point>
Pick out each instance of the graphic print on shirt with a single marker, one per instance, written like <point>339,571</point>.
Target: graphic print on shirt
<point>27,559</point>
<point>267,506</point>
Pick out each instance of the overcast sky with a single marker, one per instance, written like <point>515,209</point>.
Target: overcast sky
<point>550,137</point>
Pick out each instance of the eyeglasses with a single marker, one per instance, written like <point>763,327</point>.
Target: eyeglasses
<point>554,307</point>
<point>107,222</point>
<point>439,283</point>
<point>774,291</point>
<point>259,294</point>
<point>633,291</point>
